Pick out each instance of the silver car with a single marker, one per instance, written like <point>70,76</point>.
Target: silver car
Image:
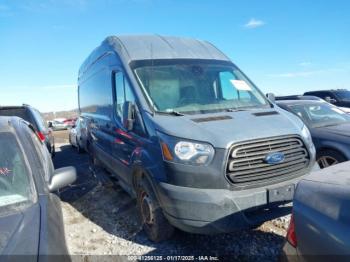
<point>77,135</point>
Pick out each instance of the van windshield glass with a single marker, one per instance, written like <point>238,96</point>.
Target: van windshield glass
<point>193,88</point>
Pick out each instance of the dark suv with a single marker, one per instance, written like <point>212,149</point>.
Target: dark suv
<point>33,116</point>
<point>338,97</point>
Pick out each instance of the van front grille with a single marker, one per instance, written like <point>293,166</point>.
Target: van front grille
<point>246,163</point>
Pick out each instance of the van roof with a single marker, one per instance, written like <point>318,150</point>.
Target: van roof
<point>148,47</point>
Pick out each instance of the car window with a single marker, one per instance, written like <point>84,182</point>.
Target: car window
<point>95,95</point>
<point>323,95</point>
<point>124,94</point>
<point>15,182</point>
<point>20,112</point>
<point>343,94</point>
<point>120,95</point>
<point>39,120</point>
<point>319,115</point>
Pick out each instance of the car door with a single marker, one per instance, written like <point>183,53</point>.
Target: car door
<point>125,142</point>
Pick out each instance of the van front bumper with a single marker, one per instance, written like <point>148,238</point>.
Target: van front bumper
<point>209,211</point>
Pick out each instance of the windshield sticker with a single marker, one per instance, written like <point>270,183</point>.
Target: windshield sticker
<point>240,85</point>
<point>4,171</point>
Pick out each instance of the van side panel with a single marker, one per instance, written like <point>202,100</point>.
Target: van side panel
<point>96,104</point>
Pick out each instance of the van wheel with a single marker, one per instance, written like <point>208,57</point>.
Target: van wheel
<point>328,158</point>
<point>153,220</point>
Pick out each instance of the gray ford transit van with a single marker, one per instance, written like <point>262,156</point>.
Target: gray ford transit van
<point>189,135</point>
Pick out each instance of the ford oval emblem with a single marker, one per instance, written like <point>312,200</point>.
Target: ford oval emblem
<point>274,158</point>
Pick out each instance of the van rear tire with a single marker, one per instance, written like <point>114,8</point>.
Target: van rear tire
<point>154,223</point>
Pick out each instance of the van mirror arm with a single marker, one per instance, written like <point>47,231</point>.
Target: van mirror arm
<point>128,115</point>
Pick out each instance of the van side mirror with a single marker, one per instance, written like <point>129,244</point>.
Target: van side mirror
<point>271,97</point>
<point>128,115</point>
<point>62,177</point>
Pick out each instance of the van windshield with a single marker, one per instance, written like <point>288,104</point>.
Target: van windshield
<point>193,88</point>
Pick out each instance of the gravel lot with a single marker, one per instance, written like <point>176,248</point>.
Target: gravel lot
<point>100,219</point>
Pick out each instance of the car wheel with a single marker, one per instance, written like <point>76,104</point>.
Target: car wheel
<point>328,158</point>
<point>154,223</point>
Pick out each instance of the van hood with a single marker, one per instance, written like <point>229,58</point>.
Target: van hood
<point>225,128</point>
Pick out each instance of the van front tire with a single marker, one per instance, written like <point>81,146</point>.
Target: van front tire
<point>154,223</point>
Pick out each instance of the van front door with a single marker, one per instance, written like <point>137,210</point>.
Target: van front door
<point>125,142</point>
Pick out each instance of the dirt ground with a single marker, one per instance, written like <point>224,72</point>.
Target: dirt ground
<point>101,219</point>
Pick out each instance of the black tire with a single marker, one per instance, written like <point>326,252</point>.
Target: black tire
<point>154,223</point>
<point>331,156</point>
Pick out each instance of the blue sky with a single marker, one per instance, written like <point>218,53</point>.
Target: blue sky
<point>284,46</point>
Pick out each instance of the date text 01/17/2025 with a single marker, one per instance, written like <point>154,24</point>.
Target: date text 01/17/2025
<point>173,258</point>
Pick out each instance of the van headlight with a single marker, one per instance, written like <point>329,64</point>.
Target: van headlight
<point>186,152</point>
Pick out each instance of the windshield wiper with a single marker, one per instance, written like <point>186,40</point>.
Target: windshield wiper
<point>172,112</point>
<point>235,109</point>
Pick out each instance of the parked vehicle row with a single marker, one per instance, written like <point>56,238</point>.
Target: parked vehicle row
<point>189,135</point>
<point>57,125</point>
<point>34,117</point>
<point>78,135</point>
<point>62,123</point>
<point>30,215</point>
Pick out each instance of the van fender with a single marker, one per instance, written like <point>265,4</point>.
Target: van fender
<point>143,163</point>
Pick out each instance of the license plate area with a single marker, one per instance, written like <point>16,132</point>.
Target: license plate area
<point>280,194</point>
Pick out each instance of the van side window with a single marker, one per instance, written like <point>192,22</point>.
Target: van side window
<point>123,94</point>
<point>120,95</point>
<point>96,95</point>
